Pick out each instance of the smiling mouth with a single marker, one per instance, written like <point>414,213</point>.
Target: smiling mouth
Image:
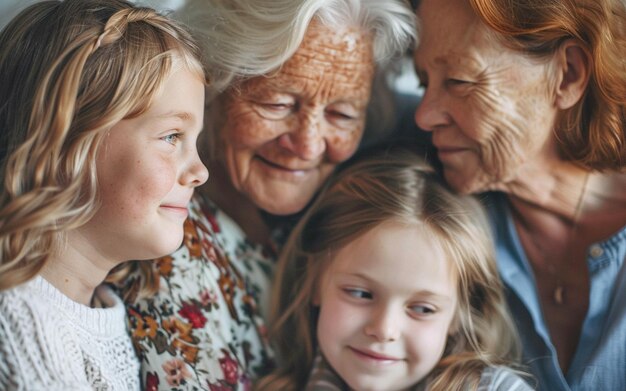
<point>179,210</point>
<point>450,149</point>
<point>374,357</point>
<point>283,168</point>
<point>449,152</point>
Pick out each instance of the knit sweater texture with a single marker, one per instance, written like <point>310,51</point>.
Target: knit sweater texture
<point>49,342</point>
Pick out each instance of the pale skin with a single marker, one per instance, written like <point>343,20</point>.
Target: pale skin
<point>284,133</point>
<point>147,168</point>
<point>493,114</point>
<point>388,301</point>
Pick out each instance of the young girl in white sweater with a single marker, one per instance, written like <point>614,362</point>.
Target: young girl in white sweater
<point>101,103</point>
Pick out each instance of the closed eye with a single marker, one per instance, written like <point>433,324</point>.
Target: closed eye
<point>344,116</point>
<point>341,115</point>
<point>277,106</point>
<point>457,82</point>
<point>274,110</point>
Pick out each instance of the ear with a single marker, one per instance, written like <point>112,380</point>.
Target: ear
<point>574,69</point>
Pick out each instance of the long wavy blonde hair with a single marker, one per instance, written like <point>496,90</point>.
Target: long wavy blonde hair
<point>69,71</point>
<point>393,185</point>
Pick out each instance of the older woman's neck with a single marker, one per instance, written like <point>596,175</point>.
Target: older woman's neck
<point>571,194</point>
<point>219,189</point>
<point>557,188</point>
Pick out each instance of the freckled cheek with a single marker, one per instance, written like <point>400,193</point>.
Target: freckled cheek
<point>364,88</point>
<point>138,186</point>
<point>251,131</point>
<point>342,146</point>
<point>158,185</point>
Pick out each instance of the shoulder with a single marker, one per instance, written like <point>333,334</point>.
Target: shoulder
<point>23,305</point>
<point>37,346</point>
<point>502,379</point>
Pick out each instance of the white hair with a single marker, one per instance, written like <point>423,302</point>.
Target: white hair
<point>248,38</point>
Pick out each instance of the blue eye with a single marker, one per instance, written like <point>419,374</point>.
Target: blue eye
<point>172,138</point>
<point>358,293</point>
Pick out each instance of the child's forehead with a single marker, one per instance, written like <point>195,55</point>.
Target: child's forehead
<point>395,254</point>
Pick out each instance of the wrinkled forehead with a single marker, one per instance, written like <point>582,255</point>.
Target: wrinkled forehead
<point>450,31</point>
<point>346,54</point>
<point>450,20</point>
<point>445,13</point>
<point>345,44</point>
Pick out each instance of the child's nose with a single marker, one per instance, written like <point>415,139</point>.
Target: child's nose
<point>384,325</point>
<point>195,173</point>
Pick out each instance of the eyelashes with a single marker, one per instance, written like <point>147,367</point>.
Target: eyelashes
<point>172,138</point>
<point>364,296</point>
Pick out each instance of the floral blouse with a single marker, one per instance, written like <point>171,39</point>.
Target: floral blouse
<point>203,330</point>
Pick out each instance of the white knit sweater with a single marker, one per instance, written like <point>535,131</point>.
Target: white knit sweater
<point>49,342</point>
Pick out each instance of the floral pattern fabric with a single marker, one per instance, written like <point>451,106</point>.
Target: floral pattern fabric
<point>203,330</point>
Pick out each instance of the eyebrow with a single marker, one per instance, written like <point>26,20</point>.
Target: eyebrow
<point>278,86</point>
<point>182,115</point>
<point>463,58</point>
<point>439,60</point>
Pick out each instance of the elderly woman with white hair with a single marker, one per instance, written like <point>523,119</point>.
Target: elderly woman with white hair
<point>291,83</point>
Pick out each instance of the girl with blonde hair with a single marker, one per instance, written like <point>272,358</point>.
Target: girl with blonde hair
<point>389,282</point>
<point>102,103</point>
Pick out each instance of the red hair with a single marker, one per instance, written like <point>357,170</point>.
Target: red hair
<point>592,132</point>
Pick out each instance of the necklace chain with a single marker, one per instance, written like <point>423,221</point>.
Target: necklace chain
<point>559,293</point>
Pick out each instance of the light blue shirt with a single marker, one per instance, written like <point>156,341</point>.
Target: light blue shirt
<point>600,359</point>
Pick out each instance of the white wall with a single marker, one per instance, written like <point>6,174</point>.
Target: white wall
<point>10,8</point>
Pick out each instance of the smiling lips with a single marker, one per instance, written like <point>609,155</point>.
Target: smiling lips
<point>177,209</point>
<point>449,149</point>
<point>296,170</point>
<point>447,152</point>
<point>373,357</point>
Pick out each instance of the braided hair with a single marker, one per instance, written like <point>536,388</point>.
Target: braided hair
<point>69,71</point>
